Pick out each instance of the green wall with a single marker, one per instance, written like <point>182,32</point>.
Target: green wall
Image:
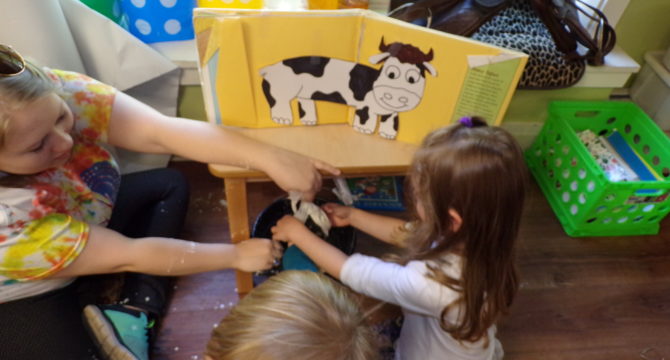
<point>191,105</point>
<point>644,26</point>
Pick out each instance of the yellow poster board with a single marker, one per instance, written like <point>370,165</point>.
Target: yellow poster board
<point>263,68</point>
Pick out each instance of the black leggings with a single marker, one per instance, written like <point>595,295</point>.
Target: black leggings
<point>49,326</point>
<point>150,203</point>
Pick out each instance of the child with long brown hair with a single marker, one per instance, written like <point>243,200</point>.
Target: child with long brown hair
<point>457,276</point>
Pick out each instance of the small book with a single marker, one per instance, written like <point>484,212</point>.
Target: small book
<point>614,167</point>
<point>634,161</point>
<point>658,177</point>
<point>624,173</point>
<point>377,192</point>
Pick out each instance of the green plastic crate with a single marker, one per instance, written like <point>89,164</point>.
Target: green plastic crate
<point>585,201</point>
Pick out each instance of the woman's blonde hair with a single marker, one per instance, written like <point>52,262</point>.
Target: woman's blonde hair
<point>20,90</point>
<point>294,315</point>
<point>478,171</point>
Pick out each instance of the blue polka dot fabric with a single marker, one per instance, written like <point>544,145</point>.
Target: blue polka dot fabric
<point>160,20</point>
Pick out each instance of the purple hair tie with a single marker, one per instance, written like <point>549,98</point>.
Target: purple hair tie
<point>466,121</point>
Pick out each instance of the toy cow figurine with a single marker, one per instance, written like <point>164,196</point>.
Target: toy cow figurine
<point>398,86</point>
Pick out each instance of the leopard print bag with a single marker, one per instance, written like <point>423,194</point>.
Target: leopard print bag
<point>518,27</point>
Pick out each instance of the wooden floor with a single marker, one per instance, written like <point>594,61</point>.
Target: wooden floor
<point>580,298</point>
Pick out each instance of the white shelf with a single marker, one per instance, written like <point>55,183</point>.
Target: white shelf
<point>614,74</point>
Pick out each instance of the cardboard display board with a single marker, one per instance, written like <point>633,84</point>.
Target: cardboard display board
<point>264,68</point>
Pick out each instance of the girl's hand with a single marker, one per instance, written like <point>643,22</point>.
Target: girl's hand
<point>294,172</point>
<point>290,230</point>
<point>339,215</point>
<point>256,254</point>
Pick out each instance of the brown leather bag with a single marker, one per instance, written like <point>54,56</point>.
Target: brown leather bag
<point>562,18</point>
<point>420,12</point>
<point>468,15</point>
<point>459,17</point>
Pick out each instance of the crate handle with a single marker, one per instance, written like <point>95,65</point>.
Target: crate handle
<point>586,113</point>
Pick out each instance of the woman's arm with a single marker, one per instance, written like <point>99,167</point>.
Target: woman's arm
<point>108,252</point>
<point>138,127</point>
<point>384,228</point>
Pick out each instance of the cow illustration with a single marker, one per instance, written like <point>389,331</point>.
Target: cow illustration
<point>397,86</point>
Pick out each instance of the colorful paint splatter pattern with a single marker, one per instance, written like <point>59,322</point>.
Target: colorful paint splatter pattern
<point>44,217</point>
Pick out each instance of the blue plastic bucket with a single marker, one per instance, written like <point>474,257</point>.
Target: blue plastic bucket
<point>343,238</point>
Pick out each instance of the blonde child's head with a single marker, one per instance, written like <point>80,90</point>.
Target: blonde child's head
<point>21,83</point>
<point>294,315</point>
<point>469,182</point>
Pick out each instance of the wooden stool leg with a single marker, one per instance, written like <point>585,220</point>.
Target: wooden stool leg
<point>238,223</point>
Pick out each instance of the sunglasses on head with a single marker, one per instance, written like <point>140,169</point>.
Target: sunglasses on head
<point>11,62</point>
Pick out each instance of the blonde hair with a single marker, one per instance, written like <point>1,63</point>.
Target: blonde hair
<point>20,90</point>
<point>294,315</point>
<point>478,171</point>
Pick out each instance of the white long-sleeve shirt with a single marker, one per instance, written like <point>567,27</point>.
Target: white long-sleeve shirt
<point>422,301</point>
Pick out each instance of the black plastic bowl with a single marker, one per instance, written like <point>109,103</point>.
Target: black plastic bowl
<point>343,238</point>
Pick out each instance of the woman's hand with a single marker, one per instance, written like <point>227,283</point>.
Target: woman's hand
<point>256,254</point>
<point>291,230</point>
<point>294,172</point>
<point>339,215</point>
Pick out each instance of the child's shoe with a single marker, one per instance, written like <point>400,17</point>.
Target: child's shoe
<point>119,332</point>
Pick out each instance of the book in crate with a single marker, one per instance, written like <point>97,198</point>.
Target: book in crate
<point>621,162</point>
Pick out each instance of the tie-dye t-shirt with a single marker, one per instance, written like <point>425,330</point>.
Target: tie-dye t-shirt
<point>44,217</point>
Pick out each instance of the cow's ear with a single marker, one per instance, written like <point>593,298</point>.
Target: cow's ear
<point>376,59</point>
<point>430,68</point>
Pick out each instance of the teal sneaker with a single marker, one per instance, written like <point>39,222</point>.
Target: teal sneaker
<point>120,333</point>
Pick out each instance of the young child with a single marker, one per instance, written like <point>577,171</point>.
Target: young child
<point>458,275</point>
<point>295,315</point>
<point>66,211</point>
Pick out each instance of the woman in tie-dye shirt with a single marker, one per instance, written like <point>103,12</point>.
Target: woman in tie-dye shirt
<point>66,211</point>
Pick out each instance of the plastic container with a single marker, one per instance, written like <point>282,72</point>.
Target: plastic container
<point>343,238</point>
<point>322,4</point>
<point>584,200</point>
<point>231,4</point>
<point>353,4</point>
<point>160,20</point>
<point>651,89</point>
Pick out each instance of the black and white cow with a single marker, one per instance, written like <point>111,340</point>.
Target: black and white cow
<point>397,87</point>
